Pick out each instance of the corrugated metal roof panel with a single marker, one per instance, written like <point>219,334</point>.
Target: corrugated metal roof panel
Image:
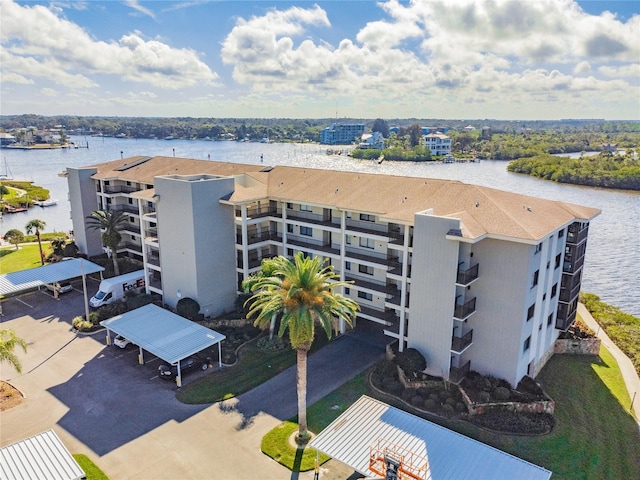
<point>163,333</point>
<point>16,282</point>
<point>42,456</point>
<point>450,455</point>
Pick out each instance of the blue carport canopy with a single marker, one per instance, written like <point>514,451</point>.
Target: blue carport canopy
<point>16,282</point>
<point>163,333</point>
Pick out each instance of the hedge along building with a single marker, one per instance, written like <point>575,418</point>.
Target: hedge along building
<point>473,277</point>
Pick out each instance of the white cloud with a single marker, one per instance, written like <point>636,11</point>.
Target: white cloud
<point>632,71</point>
<point>44,40</point>
<point>48,92</point>
<point>139,8</point>
<point>582,68</point>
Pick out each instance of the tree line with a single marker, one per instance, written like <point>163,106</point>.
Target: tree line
<point>604,170</point>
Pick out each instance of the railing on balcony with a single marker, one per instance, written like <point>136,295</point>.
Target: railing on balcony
<point>136,247</point>
<point>131,228</point>
<point>259,212</point>
<point>388,316</point>
<point>458,344</point>
<point>360,228</point>
<point>571,266</point>
<point>462,311</point>
<point>381,259</point>
<point>153,259</point>
<point>576,237</point>
<point>119,189</point>
<point>311,218</point>
<point>253,237</point>
<point>457,374</point>
<point>465,277</point>
<point>125,207</point>
<point>567,295</point>
<point>155,283</point>
<point>377,287</point>
<point>253,263</point>
<point>313,245</point>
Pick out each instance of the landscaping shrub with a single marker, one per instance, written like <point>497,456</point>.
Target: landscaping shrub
<point>429,404</point>
<point>417,401</point>
<point>502,394</point>
<point>411,361</point>
<point>423,392</point>
<point>435,397</point>
<point>408,394</point>
<point>447,409</point>
<point>484,397</point>
<point>82,325</point>
<point>460,407</point>
<point>188,308</point>
<point>513,422</point>
<point>394,387</point>
<point>450,401</point>
<point>444,395</point>
<point>136,300</point>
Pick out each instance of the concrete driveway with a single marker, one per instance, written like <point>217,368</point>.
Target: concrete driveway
<point>128,421</point>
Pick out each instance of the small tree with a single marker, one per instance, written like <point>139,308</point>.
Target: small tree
<point>14,236</point>
<point>8,343</point>
<point>35,226</point>
<point>109,222</point>
<point>411,361</point>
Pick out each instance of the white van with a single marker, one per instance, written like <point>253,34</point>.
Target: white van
<point>115,288</point>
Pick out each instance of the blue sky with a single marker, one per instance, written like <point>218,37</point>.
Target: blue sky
<point>467,59</point>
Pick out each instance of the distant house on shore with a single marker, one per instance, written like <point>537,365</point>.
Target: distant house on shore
<point>7,138</point>
<point>438,143</point>
<point>373,140</point>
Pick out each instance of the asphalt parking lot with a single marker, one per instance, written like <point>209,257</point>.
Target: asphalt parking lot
<point>102,403</point>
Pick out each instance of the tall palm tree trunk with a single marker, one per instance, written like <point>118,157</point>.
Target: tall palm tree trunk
<point>301,384</point>
<point>114,257</point>
<point>40,247</point>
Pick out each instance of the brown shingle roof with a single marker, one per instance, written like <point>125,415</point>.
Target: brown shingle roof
<point>482,210</point>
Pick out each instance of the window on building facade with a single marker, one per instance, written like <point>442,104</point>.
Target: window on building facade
<point>305,208</point>
<point>289,228</point>
<point>550,319</point>
<point>554,290</point>
<point>365,269</point>
<point>561,233</point>
<point>130,200</point>
<point>534,282</point>
<point>365,295</point>
<point>527,344</point>
<point>558,258</point>
<point>367,218</point>
<point>306,231</point>
<point>347,265</point>
<point>367,243</point>
<point>531,311</point>
<point>290,205</point>
<point>539,247</point>
<point>347,239</point>
<point>347,290</point>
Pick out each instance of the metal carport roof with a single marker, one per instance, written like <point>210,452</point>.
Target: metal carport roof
<point>40,456</point>
<point>163,333</point>
<point>449,455</point>
<point>16,282</point>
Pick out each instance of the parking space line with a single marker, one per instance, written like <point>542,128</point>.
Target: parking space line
<point>23,302</point>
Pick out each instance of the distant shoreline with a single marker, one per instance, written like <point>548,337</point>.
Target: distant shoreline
<point>38,146</point>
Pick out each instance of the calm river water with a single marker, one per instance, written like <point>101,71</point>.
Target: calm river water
<point>612,266</point>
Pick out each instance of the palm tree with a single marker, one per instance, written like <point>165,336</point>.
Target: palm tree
<point>8,342</point>
<point>302,292</point>
<point>109,222</point>
<point>35,226</point>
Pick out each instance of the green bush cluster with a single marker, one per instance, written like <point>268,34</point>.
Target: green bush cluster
<point>131,302</point>
<point>602,170</point>
<point>622,328</point>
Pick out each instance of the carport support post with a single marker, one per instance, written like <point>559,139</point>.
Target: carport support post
<point>84,289</point>
<point>108,337</point>
<point>179,377</point>
<point>141,357</point>
<point>219,355</point>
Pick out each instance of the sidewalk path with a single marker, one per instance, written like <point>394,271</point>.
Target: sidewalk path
<point>629,373</point>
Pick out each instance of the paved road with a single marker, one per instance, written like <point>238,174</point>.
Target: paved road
<point>103,404</point>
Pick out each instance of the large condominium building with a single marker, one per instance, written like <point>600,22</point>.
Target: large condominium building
<point>473,277</point>
<point>342,133</point>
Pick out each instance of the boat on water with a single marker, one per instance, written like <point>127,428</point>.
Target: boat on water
<point>45,203</point>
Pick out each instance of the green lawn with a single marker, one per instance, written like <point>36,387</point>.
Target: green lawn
<point>253,368</point>
<point>27,256</point>
<point>91,469</point>
<point>595,437</point>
